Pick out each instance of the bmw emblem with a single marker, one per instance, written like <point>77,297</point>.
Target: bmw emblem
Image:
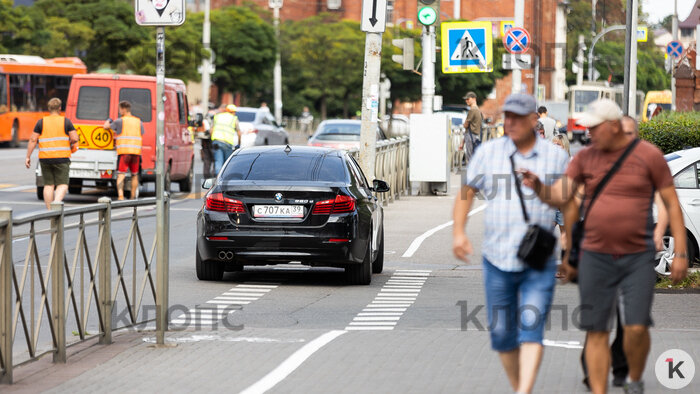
<point>278,197</point>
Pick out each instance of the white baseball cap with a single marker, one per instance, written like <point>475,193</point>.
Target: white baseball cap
<point>600,111</point>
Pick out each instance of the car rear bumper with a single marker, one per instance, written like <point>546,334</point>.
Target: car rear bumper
<point>334,244</point>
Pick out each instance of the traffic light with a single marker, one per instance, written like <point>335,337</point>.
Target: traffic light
<point>428,12</point>
<point>406,58</point>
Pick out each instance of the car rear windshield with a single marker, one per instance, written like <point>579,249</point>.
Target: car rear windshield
<point>339,132</point>
<point>140,100</point>
<point>93,103</point>
<point>283,167</point>
<point>245,116</point>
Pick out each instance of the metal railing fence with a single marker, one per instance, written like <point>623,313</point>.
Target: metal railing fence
<point>461,152</point>
<point>391,166</point>
<point>72,276</point>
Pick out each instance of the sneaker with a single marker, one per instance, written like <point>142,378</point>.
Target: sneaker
<point>619,381</point>
<point>634,387</point>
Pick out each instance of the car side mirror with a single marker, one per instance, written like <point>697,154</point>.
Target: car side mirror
<point>208,183</point>
<point>380,186</point>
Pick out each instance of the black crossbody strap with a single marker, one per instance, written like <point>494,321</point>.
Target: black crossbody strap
<point>517,188</point>
<point>611,172</point>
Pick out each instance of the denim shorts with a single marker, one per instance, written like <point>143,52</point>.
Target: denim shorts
<point>518,304</point>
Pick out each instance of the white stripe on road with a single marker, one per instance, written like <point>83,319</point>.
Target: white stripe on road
<point>292,363</point>
<point>419,240</point>
<point>17,188</point>
<point>389,305</point>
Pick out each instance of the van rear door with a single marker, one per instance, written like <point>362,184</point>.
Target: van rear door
<point>141,95</point>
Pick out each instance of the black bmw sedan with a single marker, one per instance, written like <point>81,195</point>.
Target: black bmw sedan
<point>277,204</point>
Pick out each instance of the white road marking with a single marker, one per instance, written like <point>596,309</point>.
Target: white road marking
<point>292,363</point>
<point>419,240</point>
<point>18,188</point>
<point>221,306</point>
<point>390,303</point>
<point>564,344</point>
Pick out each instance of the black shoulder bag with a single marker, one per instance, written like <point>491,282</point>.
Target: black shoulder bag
<point>538,243</point>
<point>577,230</point>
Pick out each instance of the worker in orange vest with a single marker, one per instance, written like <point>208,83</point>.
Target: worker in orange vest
<point>56,138</point>
<point>128,131</point>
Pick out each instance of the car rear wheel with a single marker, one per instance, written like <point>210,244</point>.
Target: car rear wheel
<point>207,270</point>
<point>378,263</point>
<point>75,186</point>
<point>360,274</point>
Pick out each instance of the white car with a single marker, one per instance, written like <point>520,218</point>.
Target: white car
<point>685,168</point>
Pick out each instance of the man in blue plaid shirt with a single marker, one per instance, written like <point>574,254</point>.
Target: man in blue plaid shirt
<point>518,298</point>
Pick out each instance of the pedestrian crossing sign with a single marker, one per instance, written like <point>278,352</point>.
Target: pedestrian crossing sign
<point>467,47</point>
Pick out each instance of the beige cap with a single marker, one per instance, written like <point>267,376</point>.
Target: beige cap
<point>600,111</point>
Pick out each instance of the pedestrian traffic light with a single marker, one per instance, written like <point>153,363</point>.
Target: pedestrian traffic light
<point>428,12</point>
<point>407,57</point>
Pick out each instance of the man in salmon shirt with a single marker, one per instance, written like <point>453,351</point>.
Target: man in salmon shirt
<point>618,244</point>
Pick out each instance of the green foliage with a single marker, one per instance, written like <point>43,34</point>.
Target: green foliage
<point>245,46</point>
<point>692,281</point>
<point>610,50</point>
<point>322,59</point>
<point>672,131</point>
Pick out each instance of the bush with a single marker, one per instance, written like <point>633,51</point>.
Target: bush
<point>672,131</point>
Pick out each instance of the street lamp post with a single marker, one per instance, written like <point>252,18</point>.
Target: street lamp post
<point>276,5</point>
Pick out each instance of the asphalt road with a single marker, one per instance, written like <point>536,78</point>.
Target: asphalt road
<point>419,327</point>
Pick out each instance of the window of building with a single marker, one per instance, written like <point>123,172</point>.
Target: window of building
<point>334,4</point>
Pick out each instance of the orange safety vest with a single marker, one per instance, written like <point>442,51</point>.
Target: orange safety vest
<point>129,141</point>
<point>53,142</point>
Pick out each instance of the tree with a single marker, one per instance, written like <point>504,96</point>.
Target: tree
<point>323,62</point>
<point>183,52</point>
<point>244,45</point>
<point>21,28</point>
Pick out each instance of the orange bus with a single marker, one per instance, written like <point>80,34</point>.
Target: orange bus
<point>26,85</point>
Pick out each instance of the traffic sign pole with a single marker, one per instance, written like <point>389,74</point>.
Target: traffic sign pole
<point>428,71</point>
<point>519,21</point>
<point>373,22</point>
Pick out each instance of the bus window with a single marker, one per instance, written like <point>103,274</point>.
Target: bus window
<point>93,103</point>
<point>20,94</point>
<point>140,100</point>
<point>3,94</point>
<point>584,97</point>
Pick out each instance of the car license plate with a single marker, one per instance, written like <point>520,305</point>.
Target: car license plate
<point>278,211</point>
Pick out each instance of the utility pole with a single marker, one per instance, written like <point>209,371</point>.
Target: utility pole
<point>519,22</point>
<point>632,31</point>
<point>373,23</point>
<point>428,69</point>
<point>457,9</point>
<point>674,34</point>
<point>277,72</point>
<point>630,37</point>
<point>579,60</point>
<point>206,62</point>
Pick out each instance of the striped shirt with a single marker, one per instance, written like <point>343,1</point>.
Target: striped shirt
<point>489,171</point>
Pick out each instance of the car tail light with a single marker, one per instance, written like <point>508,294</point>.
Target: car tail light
<point>254,131</point>
<point>217,202</point>
<point>341,204</point>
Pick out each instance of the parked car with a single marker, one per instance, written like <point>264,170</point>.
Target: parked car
<point>685,168</point>
<point>258,127</point>
<point>272,205</point>
<point>340,134</point>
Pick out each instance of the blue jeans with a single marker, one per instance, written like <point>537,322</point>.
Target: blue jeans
<point>221,151</point>
<point>518,304</point>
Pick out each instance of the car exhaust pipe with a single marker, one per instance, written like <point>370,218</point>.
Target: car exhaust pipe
<point>225,255</point>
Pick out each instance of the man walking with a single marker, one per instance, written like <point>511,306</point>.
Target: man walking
<point>56,138</point>
<point>548,124</point>
<point>306,120</point>
<point>128,131</point>
<point>518,297</point>
<point>225,135</point>
<point>617,259</point>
